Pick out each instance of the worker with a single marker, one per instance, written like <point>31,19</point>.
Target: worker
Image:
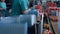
<point>3,8</point>
<point>19,7</point>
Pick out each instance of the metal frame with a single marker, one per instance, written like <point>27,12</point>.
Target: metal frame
<point>42,23</point>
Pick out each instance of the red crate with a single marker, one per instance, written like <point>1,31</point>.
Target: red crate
<point>53,5</point>
<point>48,4</point>
<point>54,18</point>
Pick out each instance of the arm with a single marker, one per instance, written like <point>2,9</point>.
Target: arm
<point>1,9</point>
<point>24,6</point>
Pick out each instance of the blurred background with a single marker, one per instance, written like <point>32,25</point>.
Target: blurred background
<point>29,16</point>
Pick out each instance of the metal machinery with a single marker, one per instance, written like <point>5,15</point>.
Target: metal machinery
<point>16,24</point>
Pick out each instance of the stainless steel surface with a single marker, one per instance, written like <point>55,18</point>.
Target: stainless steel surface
<point>59,23</point>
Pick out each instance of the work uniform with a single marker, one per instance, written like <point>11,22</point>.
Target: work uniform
<point>19,6</point>
<point>3,12</point>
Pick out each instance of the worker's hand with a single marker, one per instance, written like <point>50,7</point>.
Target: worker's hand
<point>1,9</point>
<point>24,12</point>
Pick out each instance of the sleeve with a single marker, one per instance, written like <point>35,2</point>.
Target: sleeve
<point>5,6</point>
<point>0,5</point>
<point>23,5</point>
<point>27,2</point>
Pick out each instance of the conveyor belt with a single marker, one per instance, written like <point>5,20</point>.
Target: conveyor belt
<point>50,25</point>
<point>55,26</point>
<point>40,28</point>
